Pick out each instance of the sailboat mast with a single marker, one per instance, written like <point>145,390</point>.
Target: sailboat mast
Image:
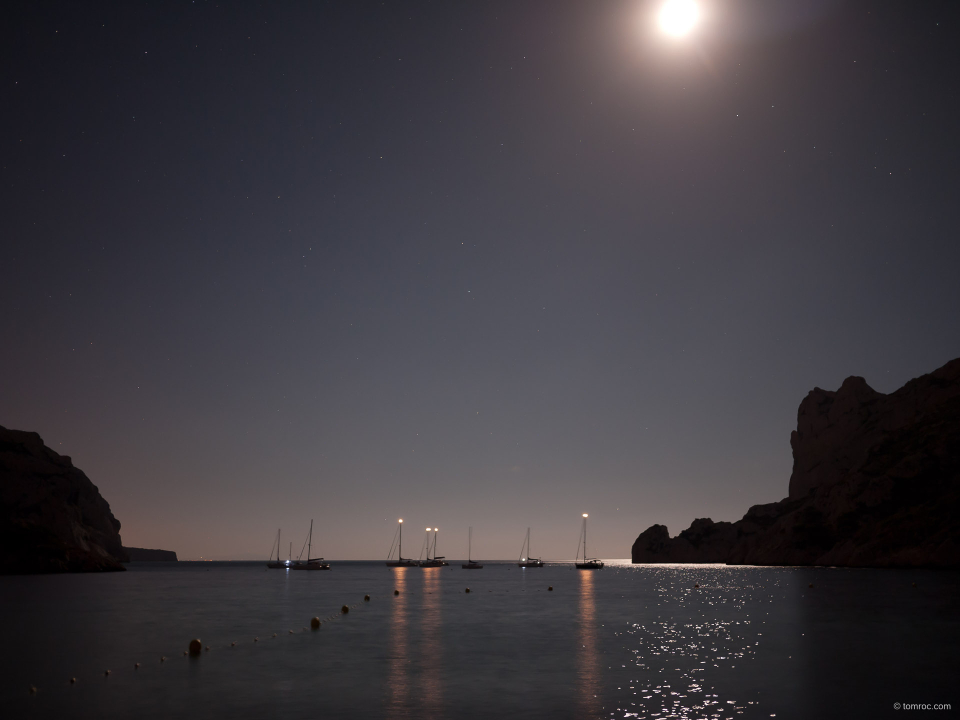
<point>400,549</point>
<point>584,538</point>
<point>310,540</point>
<point>470,544</point>
<point>528,543</point>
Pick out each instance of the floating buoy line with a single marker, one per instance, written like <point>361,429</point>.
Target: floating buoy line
<point>195,648</point>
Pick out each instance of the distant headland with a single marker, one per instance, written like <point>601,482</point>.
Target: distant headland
<point>875,483</point>
<point>145,555</point>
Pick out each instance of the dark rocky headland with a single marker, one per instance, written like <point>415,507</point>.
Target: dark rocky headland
<point>52,518</point>
<point>875,483</point>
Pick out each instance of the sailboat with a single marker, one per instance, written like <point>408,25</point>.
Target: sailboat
<point>278,563</point>
<point>436,560</point>
<point>588,563</point>
<point>471,564</point>
<point>525,560</point>
<point>311,563</point>
<point>398,540</point>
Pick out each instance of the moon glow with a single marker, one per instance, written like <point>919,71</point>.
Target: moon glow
<point>678,17</point>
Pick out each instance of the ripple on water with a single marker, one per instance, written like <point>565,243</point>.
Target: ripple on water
<point>702,628</point>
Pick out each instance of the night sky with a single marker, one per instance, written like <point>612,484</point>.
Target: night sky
<point>489,263</point>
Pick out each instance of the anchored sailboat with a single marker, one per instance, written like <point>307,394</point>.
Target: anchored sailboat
<point>436,560</point>
<point>588,563</point>
<point>471,564</point>
<point>525,559</point>
<point>278,563</point>
<point>311,563</point>
<point>398,543</point>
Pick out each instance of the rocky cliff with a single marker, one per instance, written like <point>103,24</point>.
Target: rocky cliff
<point>52,518</point>
<point>875,483</point>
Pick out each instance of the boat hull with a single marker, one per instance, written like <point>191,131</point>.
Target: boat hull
<point>311,565</point>
<point>590,566</point>
<point>530,564</point>
<point>472,566</point>
<point>402,563</point>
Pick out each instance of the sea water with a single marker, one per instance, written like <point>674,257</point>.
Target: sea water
<point>628,641</point>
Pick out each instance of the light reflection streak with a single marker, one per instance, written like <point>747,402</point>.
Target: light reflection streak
<point>431,649</point>
<point>588,660</point>
<point>398,681</point>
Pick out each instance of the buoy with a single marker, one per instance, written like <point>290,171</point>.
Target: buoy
<point>366,598</point>
<point>914,584</point>
<point>810,585</point>
<point>195,646</point>
<point>274,634</point>
<point>233,644</point>
<point>33,690</point>
<point>136,666</point>
<point>315,623</point>
<point>162,658</point>
<point>290,631</point>
<point>344,609</point>
<point>397,592</point>
<point>550,588</point>
<point>106,672</point>
<point>256,639</point>
<point>467,590</point>
<point>207,648</point>
<point>184,652</point>
<point>696,585</point>
<point>72,680</point>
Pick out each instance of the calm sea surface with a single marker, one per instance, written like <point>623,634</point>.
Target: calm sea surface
<point>627,641</point>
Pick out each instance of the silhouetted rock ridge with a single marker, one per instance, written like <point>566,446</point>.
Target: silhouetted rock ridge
<point>875,483</point>
<point>52,518</point>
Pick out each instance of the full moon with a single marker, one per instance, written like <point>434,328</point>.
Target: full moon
<point>677,17</point>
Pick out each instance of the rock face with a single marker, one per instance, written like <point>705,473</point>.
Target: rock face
<point>875,483</point>
<point>145,555</point>
<point>52,518</point>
